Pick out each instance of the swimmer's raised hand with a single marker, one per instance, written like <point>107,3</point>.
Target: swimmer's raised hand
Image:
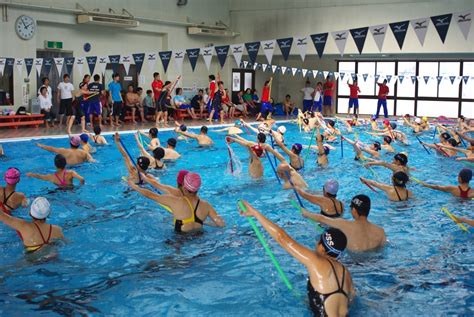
<point>249,210</point>
<point>116,137</point>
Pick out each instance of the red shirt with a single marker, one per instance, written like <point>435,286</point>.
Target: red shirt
<point>354,91</point>
<point>156,87</point>
<point>383,90</point>
<point>328,88</point>
<point>212,89</point>
<point>266,94</point>
<point>225,99</point>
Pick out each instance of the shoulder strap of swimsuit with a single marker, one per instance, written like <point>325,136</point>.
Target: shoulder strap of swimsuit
<point>41,234</point>
<point>51,231</point>
<point>5,198</point>
<point>190,206</point>
<point>339,287</point>
<point>398,195</point>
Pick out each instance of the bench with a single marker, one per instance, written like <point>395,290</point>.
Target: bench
<point>21,120</point>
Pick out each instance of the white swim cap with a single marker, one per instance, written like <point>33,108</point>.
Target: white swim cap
<point>281,129</point>
<point>418,120</point>
<point>40,208</point>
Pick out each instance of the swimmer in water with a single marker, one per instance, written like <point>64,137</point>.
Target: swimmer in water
<point>417,126</point>
<point>62,177</point>
<point>330,133</point>
<point>468,152</point>
<point>170,150</point>
<point>330,206</point>
<point>10,199</point>
<point>202,138</point>
<point>462,190</point>
<point>175,191</point>
<point>156,160</point>
<point>279,135</point>
<point>189,211</point>
<point>425,125</point>
<point>361,234</point>
<point>142,163</point>
<point>232,130</point>
<point>330,289</point>
<point>74,155</point>
<point>350,123</point>
<point>395,192</point>
<point>399,163</point>
<point>323,150</point>
<point>373,150</point>
<point>96,137</point>
<point>465,220</point>
<point>85,143</point>
<point>446,147</point>
<point>289,175</point>
<point>387,144</point>
<point>296,161</point>
<point>256,152</point>
<point>36,234</point>
<point>451,132</point>
<point>153,136</point>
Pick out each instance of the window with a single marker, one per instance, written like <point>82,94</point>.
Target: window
<point>347,68</point>
<point>438,108</point>
<point>406,87</point>
<point>467,109</point>
<point>405,106</point>
<point>369,106</point>
<point>446,89</point>
<point>383,69</point>
<point>367,86</point>
<point>468,89</point>
<point>428,87</point>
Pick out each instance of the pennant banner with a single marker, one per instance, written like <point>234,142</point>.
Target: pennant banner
<point>319,41</point>
<point>151,58</point>
<point>264,67</point>
<point>207,53</point>
<point>91,61</point>
<point>400,78</point>
<point>252,50</point>
<point>114,62</point>
<point>283,69</point>
<point>3,61</point>
<point>452,79</point>
<point>80,65</point>
<point>464,21</point>
<point>222,52</point>
<point>19,65</point>
<point>359,35</point>
<point>139,58</point>
<point>126,60</point>
<point>9,66</point>
<point>268,49</point>
<point>285,46</point>
<point>465,79</point>
<point>340,38</point>
<point>38,66</point>
<point>304,71</point>
<point>237,51</point>
<point>420,26</point>
<point>413,79</point>
<point>102,61</point>
<point>399,30</point>
<point>274,68</point>
<point>302,45</point>
<point>29,66</point>
<point>378,33</point>
<point>178,60</point>
<point>69,62</point>
<point>59,62</point>
<point>193,54</point>
<point>47,64</point>
<point>441,23</point>
<point>165,58</point>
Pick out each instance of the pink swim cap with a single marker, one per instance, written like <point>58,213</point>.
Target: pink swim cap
<point>75,141</point>
<point>12,176</point>
<point>180,177</point>
<point>192,182</point>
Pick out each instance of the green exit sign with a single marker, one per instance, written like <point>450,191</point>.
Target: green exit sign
<point>53,45</point>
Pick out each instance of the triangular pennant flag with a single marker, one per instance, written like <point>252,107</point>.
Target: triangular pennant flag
<point>139,58</point>
<point>395,78</point>
<point>399,30</point>
<point>302,45</point>
<point>359,35</point>
<point>237,51</point>
<point>336,75</point>
<point>319,41</point>
<point>378,33</point>
<point>29,66</point>
<point>342,75</point>
<point>400,78</point>
<point>165,58</point>
<point>365,76</point>
<point>413,79</point>
<point>207,53</point>
<point>3,61</point>
<point>420,26</point>
<point>252,50</point>
<point>193,54</point>
<point>353,75</point>
<point>426,79</point>
<point>91,61</point>
<point>441,23</point>
<point>114,62</point>
<point>178,60</point>
<point>19,65</point>
<point>9,63</point>
<point>47,64</point>
<point>79,64</point>
<point>283,70</point>
<point>59,62</point>
<point>285,46</point>
<point>439,78</point>
<point>304,71</point>
<point>389,78</point>
<point>326,73</point>
<point>464,21</point>
<point>151,58</point>
<point>222,52</point>
<point>255,66</point>
<point>245,64</point>
<point>315,73</point>
<point>268,49</point>
<point>102,61</point>
<point>69,62</point>
<point>294,70</point>
<point>377,76</point>
<point>340,37</point>
<point>452,79</point>
<point>465,79</point>
<point>264,67</point>
<point>274,68</point>
<point>126,60</point>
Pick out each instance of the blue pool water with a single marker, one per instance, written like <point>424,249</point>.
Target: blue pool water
<point>123,258</point>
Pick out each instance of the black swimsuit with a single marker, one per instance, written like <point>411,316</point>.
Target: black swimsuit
<point>6,198</point>
<point>336,215</point>
<point>178,224</point>
<point>398,195</point>
<point>317,300</point>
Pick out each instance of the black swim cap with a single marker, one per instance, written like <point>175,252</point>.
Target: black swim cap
<point>334,242</point>
<point>172,142</point>
<point>153,132</point>
<point>446,135</point>
<point>60,161</point>
<point>361,203</point>
<point>402,158</point>
<point>393,125</point>
<point>183,127</point>
<point>97,130</point>
<point>326,149</point>
<point>377,146</point>
<point>453,142</point>
<point>387,139</point>
<point>465,175</point>
<point>143,162</point>
<point>330,122</point>
<point>204,129</point>
<point>158,153</point>
<point>400,179</point>
<point>261,138</point>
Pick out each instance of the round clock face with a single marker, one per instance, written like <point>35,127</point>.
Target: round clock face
<point>25,27</point>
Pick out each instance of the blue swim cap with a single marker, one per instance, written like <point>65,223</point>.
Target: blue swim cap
<point>237,122</point>
<point>84,137</point>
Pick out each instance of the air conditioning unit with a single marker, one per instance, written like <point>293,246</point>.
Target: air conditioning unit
<point>194,30</point>
<point>108,21</point>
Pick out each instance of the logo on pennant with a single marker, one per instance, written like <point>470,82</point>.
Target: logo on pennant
<point>359,35</point>
<point>413,79</point>
<point>207,53</point>
<point>439,78</point>
<point>126,60</point>
<point>285,46</point>
<point>452,79</point>
<point>465,79</point>
<point>193,54</point>
<point>378,33</point>
<point>342,75</point>
<point>420,26</point>
<point>237,51</point>
<point>365,76</point>
<point>165,58</point>
<point>441,23</point>
<point>69,62</point>
<point>9,63</point>
<point>302,45</point>
<point>38,65</point>
<point>91,61</point>
<point>47,64</point>
<point>389,78</point>
<point>59,61</point>
<point>400,78</point>
<point>29,66</point>
<point>399,30</point>
<point>178,60</point>
<point>268,49</point>
<point>464,21</point>
<point>114,62</point>
<point>139,58</point>
<point>426,79</point>
<point>252,50</point>
<point>319,41</point>
<point>80,64</point>
<point>340,37</point>
<point>222,52</point>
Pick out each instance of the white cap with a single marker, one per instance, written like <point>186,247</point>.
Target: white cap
<point>418,120</point>
<point>40,208</point>
<point>282,129</point>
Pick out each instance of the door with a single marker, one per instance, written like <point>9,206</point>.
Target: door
<point>241,80</point>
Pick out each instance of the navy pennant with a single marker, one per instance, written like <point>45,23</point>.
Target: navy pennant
<point>365,76</point>
<point>354,76</point>
<point>165,59</point>
<point>252,50</point>
<point>114,62</point>
<point>222,52</point>
<point>91,61</point>
<point>441,23</point>
<point>377,78</point>
<point>399,30</point>
<point>69,62</point>
<point>138,59</point>
<point>413,79</point>
<point>285,46</point>
<point>452,79</point>
<point>439,78</point>
<point>426,78</point>
<point>389,78</point>
<point>400,78</point>
<point>342,75</point>
<point>359,35</point>
<point>319,41</point>
<point>9,66</point>
<point>47,64</point>
<point>465,79</point>
<point>193,54</point>
<point>29,66</point>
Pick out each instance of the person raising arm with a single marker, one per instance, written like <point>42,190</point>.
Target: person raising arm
<point>462,190</point>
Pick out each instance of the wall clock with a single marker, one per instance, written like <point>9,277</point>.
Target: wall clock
<point>25,27</point>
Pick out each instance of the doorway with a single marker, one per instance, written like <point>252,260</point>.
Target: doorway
<point>241,80</point>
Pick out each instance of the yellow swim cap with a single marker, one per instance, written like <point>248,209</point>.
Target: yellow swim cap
<point>425,119</point>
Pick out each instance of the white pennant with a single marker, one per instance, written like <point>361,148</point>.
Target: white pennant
<point>151,58</point>
<point>255,66</point>
<point>274,67</point>
<point>59,62</point>
<point>315,73</point>
<point>178,60</point>
<point>294,70</point>
<point>378,33</point>
<point>126,60</point>
<point>325,73</point>
<point>302,45</point>
<point>237,50</point>
<point>19,65</point>
<point>264,67</point>
<point>283,69</point>
<point>102,61</point>
<point>464,21</point>
<point>340,37</point>
<point>268,49</point>
<point>38,65</point>
<point>304,71</point>
<point>420,26</point>
<point>207,53</point>
<point>394,79</point>
<point>336,75</point>
<point>79,61</point>
<point>3,61</point>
